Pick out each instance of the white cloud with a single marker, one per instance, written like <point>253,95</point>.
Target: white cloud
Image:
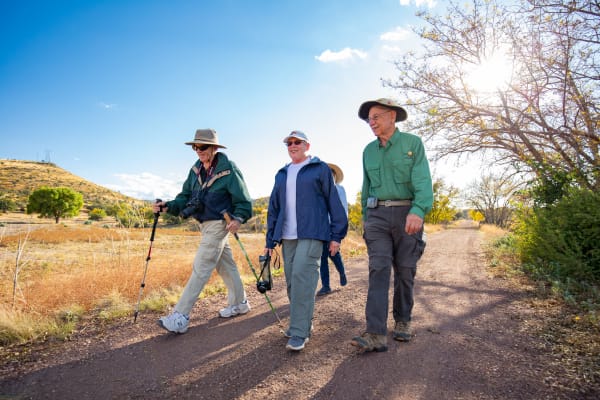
<point>391,49</point>
<point>340,56</point>
<point>419,3</point>
<point>396,35</point>
<point>146,186</point>
<point>106,106</point>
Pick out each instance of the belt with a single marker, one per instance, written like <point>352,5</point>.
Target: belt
<point>394,203</point>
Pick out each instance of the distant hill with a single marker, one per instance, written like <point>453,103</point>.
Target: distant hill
<point>18,179</point>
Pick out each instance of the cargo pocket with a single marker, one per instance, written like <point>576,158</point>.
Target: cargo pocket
<point>419,248</point>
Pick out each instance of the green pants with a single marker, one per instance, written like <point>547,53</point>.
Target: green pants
<point>301,260</point>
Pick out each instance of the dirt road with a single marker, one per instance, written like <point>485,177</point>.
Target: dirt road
<point>469,344</point>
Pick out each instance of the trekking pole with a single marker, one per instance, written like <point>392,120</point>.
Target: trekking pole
<point>137,307</point>
<point>228,220</point>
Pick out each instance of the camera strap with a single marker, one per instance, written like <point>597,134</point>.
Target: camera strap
<point>265,270</point>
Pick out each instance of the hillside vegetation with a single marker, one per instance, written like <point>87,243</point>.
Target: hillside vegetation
<point>18,179</point>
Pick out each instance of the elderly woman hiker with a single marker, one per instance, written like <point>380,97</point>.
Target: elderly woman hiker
<point>214,184</point>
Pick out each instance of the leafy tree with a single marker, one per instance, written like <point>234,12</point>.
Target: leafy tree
<point>55,203</point>
<point>476,216</point>
<point>442,210</point>
<point>355,215</point>
<point>541,115</point>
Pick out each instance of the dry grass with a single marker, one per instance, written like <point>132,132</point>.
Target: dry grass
<point>570,332</point>
<point>91,268</point>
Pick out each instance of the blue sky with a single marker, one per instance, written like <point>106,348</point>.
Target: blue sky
<point>111,90</point>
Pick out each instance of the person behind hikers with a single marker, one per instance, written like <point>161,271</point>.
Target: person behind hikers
<point>214,184</point>
<point>303,195</point>
<point>396,194</point>
<point>338,177</point>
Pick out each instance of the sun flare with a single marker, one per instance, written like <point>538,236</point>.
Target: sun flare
<point>493,73</point>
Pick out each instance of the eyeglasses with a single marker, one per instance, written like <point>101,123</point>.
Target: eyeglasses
<point>204,147</point>
<point>375,117</point>
<point>296,142</point>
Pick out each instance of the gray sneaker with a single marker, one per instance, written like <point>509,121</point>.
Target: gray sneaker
<point>296,343</point>
<point>175,322</point>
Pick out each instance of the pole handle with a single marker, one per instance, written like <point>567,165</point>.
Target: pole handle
<point>228,221</point>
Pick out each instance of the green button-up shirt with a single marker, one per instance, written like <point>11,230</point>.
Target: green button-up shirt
<point>398,171</point>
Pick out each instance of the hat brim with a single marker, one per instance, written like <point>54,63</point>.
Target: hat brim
<point>363,111</point>
<point>339,175</point>
<point>201,142</point>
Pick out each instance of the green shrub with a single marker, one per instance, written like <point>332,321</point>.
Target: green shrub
<point>97,214</point>
<point>562,240</point>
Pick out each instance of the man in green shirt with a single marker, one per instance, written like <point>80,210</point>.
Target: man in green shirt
<point>397,192</point>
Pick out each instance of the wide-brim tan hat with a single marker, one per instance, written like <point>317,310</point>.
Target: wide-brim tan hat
<point>206,136</point>
<point>338,174</point>
<point>363,111</point>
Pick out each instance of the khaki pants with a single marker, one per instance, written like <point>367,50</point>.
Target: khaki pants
<point>213,252</point>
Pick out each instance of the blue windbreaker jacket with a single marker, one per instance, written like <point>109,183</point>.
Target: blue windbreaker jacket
<point>319,211</point>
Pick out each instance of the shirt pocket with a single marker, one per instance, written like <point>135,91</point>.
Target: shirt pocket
<point>374,174</point>
<point>402,169</point>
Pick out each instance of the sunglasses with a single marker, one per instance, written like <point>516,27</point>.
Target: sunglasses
<point>296,142</point>
<point>200,148</point>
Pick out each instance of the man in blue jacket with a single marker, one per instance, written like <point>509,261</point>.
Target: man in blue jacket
<point>304,211</point>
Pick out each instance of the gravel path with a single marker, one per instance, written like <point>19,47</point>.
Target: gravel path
<point>468,345</point>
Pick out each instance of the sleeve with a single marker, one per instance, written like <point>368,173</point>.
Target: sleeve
<point>338,217</point>
<point>366,187</point>
<point>342,193</point>
<point>422,184</point>
<point>240,198</point>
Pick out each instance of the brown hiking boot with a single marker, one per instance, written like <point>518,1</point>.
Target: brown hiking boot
<point>370,342</point>
<point>402,331</point>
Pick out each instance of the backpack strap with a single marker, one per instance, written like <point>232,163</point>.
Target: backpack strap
<point>214,178</point>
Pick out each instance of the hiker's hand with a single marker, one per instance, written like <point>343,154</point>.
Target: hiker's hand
<point>334,247</point>
<point>159,206</point>
<point>414,223</point>
<point>233,226</point>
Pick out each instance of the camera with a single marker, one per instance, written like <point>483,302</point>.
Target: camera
<point>194,206</point>
<point>264,282</point>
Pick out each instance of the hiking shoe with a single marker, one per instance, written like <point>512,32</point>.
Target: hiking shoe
<point>402,331</point>
<point>288,335</point>
<point>234,310</point>
<point>296,343</point>
<point>343,280</point>
<point>175,322</point>
<point>323,291</point>
<point>370,342</point>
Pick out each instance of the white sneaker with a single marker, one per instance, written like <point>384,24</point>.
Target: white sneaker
<point>234,310</point>
<point>175,322</point>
